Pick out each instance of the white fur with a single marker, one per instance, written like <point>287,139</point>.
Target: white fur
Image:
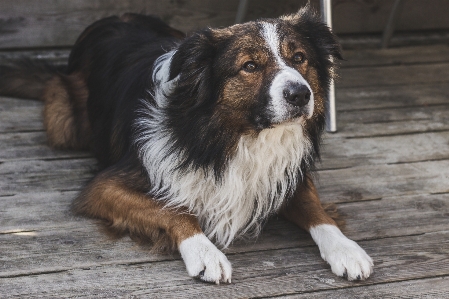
<point>161,74</point>
<point>255,182</point>
<point>344,256</point>
<point>199,254</point>
<point>286,75</point>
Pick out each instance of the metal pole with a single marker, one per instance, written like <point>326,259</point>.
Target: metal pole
<point>331,113</point>
<point>389,28</point>
<point>241,11</point>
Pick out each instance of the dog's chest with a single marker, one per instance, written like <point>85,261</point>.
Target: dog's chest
<point>263,171</point>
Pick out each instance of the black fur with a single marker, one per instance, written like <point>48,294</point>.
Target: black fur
<point>116,59</point>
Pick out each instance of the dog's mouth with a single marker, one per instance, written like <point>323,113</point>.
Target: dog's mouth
<point>298,116</point>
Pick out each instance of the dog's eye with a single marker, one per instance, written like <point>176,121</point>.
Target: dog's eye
<point>249,66</point>
<point>298,57</point>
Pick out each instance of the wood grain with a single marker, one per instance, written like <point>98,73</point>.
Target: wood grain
<point>392,122</point>
<point>393,75</point>
<point>47,23</point>
<point>19,115</point>
<point>366,182</point>
<point>32,146</point>
<point>256,274</point>
<point>431,288</point>
<point>38,231</point>
<point>396,56</point>
<point>44,175</point>
<point>397,149</point>
<point>402,96</point>
<point>25,23</point>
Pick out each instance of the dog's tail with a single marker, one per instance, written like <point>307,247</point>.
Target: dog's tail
<point>26,78</point>
<point>64,96</point>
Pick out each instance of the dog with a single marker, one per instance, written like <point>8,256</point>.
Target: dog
<point>200,138</point>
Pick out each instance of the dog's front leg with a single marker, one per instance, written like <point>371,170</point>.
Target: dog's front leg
<point>109,198</point>
<point>345,257</point>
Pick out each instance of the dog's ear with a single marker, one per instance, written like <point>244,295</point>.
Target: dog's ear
<point>324,43</point>
<point>191,66</point>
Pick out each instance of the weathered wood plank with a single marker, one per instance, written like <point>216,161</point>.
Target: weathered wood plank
<point>340,185</point>
<point>37,211</point>
<point>367,182</point>
<point>396,56</point>
<point>369,16</point>
<point>396,216</point>
<point>394,121</point>
<point>58,23</point>
<point>32,146</point>
<point>343,152</point>
<point>430,288</point>
<point>41,175</point>
<point>38,232</point>
<point>19,115</point>
<point>23,23</point>
<point>393,75</point>
<point>53,56</point>
<point>256,274</point>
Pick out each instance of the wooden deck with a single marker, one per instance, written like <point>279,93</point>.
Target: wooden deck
<point>387,169</point>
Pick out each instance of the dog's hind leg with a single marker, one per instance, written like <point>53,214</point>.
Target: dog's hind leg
<point>109,197</point>
<point>345,257</point>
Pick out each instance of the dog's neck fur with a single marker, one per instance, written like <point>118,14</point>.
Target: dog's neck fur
<point>262,172</point>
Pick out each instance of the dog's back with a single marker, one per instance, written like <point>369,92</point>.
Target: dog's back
<point>83,100</point>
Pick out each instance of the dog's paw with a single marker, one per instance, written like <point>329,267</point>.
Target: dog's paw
<point>204,260</point>
<point>346,257</point>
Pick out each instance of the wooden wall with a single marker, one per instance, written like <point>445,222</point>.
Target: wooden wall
<point>49,23</point>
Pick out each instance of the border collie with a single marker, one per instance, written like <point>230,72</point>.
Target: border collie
<point>200,138</point>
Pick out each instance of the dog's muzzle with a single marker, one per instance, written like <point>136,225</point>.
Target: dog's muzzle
<point>290,97</point>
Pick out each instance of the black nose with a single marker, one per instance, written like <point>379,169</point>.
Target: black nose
<point>297,94</point>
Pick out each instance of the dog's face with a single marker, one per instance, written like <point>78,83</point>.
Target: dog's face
<point>249,77</point>
<point>269,79</point>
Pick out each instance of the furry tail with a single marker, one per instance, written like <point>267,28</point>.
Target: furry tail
<point>26,78</point>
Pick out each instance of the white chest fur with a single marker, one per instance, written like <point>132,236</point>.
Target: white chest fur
<point>254,184</point>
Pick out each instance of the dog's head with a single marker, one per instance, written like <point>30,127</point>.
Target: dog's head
<point>247,78</point>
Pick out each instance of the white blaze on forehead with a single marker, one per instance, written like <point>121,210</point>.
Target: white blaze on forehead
<point>286,75</point>
<point>271,36</point>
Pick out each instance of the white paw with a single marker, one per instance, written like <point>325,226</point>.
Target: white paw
<point>345,256</point>
<point>204,260</point>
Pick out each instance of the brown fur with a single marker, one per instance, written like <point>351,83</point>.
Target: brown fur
<point>238,97</point>
<point>305,209</point>
<point>130,211</point>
